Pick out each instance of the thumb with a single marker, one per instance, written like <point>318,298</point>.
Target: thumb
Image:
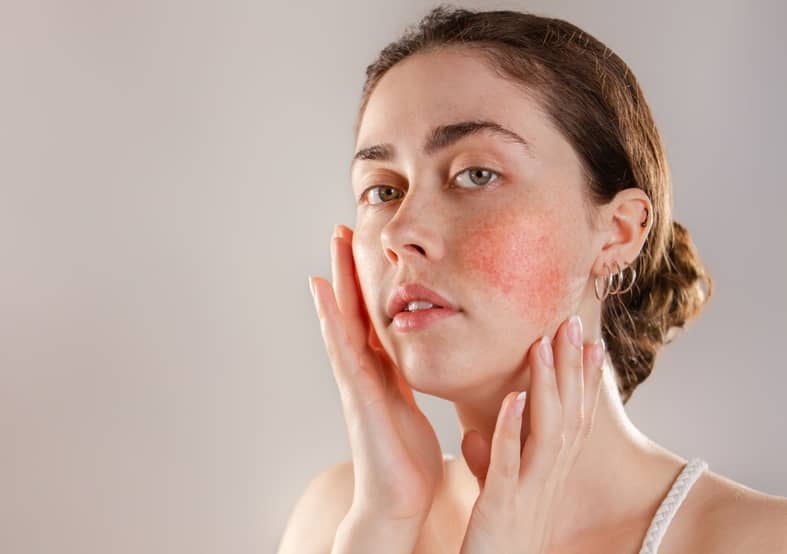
<point>476,452</point>
<point>373,340</point>
<point>391,374</point>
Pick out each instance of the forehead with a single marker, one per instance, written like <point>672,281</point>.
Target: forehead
<point>454,84</point>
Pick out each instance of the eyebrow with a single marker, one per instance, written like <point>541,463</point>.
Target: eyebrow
<point>442,137</point>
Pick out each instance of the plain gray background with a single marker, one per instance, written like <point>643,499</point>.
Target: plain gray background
<point>170,173</point>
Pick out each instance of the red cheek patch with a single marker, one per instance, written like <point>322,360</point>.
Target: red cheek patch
<point>520,256</point>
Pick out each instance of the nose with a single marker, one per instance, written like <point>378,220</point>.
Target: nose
<point>413,231</point>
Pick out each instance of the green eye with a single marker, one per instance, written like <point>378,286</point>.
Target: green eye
<point>480,173</point>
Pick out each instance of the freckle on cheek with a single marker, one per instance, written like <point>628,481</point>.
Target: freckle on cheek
<point>521,259</point>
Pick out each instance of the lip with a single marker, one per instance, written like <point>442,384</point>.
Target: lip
<point>414,321</point>
<point>403,295</point>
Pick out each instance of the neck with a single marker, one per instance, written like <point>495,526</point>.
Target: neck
<point>619,477</point>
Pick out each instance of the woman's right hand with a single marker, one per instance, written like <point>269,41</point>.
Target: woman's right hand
<point>397,460</point>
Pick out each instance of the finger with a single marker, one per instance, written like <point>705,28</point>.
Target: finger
<point>358,386</point>
<point>594,375</point>
<point>369,425</point>
<point>393,379</point>
<point>570,379</point>
<point>347,289</point>
<point>545,437</point>
<point>373,339</point>
<point>347,293</point>
<point>506,452</point>
<point>393,375</point>
<point>352,304</point>
<point>346,234</point>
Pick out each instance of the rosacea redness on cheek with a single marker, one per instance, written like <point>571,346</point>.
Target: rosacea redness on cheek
<point>521,258</point>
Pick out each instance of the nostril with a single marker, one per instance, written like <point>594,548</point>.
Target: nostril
<point>418,248</point>
<point>391,255</point>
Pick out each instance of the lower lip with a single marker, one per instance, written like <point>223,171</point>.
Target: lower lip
<point>413,321</point>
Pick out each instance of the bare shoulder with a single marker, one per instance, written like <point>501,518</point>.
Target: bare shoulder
<point>317,514</point>
<point>740,519</point>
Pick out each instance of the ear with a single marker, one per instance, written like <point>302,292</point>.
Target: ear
<point>622,226</point>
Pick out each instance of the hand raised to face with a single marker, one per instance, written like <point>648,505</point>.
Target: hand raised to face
<point>397,460</point>
<point>522,484</point>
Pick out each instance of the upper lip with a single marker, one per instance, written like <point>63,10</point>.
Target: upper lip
<point>403,295</point>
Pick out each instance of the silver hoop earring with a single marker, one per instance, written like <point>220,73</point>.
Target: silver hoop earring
<point>617,279</point>
<point>633,278</point>
<point>616,288</point>
<point>607,281</point>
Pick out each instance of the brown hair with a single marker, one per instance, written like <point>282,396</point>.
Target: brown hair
<point>594,100</point>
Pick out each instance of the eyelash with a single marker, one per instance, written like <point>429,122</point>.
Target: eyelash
<point>362,198</point>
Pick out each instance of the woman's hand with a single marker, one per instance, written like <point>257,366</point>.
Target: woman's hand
<point>397,460</point>
<point>522,486</point>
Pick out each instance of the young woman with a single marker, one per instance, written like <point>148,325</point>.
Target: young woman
<point>509,175</point>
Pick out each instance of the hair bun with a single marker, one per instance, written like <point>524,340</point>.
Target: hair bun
<point>664,300</point>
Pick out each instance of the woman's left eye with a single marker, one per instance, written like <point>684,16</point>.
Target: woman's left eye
<point>479,176</point>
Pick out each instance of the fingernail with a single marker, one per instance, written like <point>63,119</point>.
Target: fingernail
<point>314,297</point>
<point>336,230</point>
<point>519,405</point>
<point>575,331</point>
<point>545,349</point>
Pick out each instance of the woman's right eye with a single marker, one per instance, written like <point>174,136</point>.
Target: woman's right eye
<point>383,193</point>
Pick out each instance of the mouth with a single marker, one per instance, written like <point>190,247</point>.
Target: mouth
<point>421,318</point>
<point>413,304</point>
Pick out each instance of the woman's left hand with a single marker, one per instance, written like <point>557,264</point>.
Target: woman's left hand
<point>522,486</point>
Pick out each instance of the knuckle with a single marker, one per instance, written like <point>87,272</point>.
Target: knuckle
<point>585,433</point>
<point>589,428</point>
<point>482,514</point>
<point>508,467</point>
<point>512,432</point>
<point>577,422</point>
<point>556,442</point>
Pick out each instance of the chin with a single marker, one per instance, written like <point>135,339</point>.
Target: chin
<point>440,374</point>
<point>460,374</point>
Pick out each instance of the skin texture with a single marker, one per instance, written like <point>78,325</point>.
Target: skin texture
<point>518,259</point>
<point>517,255</point>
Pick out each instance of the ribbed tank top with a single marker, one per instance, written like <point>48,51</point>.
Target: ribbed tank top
<point>669,506</point>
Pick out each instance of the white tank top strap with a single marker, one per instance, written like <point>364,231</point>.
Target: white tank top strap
<point>669,506</point>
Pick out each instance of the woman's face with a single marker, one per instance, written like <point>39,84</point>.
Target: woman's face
<point>507,242</point>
